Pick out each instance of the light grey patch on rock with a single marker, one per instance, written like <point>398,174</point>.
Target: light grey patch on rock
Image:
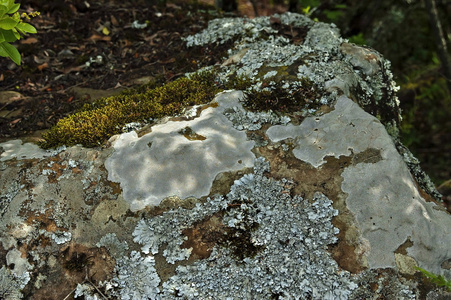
<point>11,285</point>
<point>16,149</point>
<point>175,165</point>
<point>323,37</point>
<point>347,129</point>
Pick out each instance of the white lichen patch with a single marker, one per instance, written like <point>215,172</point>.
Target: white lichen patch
<point>115,247</point>
<point>164,163</point>
<point>347,129</point>
<point>136,278</point>
<point>291,259</point>
<point>385,203</point>
<point>20,265</point>
<point>19,150</point>
<point>61,237</point>
<point>393,212</point>
<point>11,284</point>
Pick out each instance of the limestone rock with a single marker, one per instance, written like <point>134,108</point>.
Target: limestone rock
<point>227,203</point>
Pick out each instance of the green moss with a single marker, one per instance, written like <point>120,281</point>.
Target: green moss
<point>98,121</point>
<point>188,133</point>
<point>273,94</point>
<point>239,241</point>
<point>78,262</point>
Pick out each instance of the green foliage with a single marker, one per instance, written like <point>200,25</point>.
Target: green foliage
<point>309,3</point>
<point>431,106</point>
<point>358,39</point>
<point>337,12</point>
<point>437,279</point>
<point>332,14</point>
<point>96,122</point>
<point>12,27</point>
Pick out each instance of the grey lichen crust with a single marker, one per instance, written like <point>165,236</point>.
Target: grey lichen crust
<point>334,65</point>
<point>11,284</point>
<point>291,261</point>
<point>327,60</point>
<point>136,278</point>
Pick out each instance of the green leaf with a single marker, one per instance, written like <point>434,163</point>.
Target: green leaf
<point>13,8</point>
<point>8,50</point>
<point>25,27</point>
<point>7,3</point>
<point>3,10</point>
<point>9,35</point>
<point>437,279</point>
<point>340,6</point>
<point>8,23</point>
<point>306,10</point>
<point>358,39</point>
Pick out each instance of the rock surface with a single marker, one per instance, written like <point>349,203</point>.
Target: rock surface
<point>225,203</point>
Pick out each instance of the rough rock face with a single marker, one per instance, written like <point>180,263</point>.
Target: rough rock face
<point>227,203</point>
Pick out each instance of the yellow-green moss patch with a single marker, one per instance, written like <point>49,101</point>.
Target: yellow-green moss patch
<point>98,121</point>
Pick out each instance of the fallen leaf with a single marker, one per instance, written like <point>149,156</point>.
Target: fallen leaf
<point>43,66</point>
<point>235,58</point>
<point>114,21</point>
<point>96,37</point>
<point>105,31</point>
<point>171,60</point>
<point>30,40</point>
<point>72,69</point>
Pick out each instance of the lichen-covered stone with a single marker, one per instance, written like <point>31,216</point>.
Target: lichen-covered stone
<point>239,198</point>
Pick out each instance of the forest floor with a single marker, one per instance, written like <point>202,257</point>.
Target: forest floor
<point>81,47</point>
<point>82,52</point>
<point>89,49</point>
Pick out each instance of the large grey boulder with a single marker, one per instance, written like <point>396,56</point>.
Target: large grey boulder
<point>226,203</point>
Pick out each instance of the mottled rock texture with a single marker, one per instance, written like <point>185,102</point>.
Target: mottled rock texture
<point>226,203</point>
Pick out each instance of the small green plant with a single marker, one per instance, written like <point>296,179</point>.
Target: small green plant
<point>12,27</point>
<point>437,279</point>
<point>358,39</point>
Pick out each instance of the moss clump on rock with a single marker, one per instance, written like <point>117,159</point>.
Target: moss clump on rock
<point>276,94</point>
<point>98,121</point>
